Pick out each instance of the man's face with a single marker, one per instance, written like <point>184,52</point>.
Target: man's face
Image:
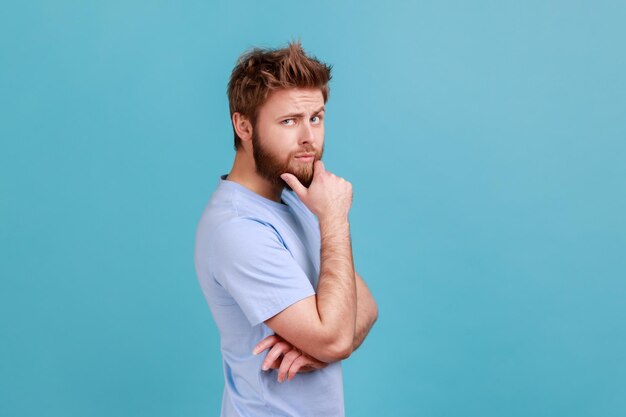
<point>290,124</point>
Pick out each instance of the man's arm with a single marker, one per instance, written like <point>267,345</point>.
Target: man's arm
<point>324,324</point>
<point>302,361</point>
<point>366,312</point>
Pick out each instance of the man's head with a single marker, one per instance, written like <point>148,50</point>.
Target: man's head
<point>276,100</point>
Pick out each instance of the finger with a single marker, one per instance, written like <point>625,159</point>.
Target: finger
<point>275,364</point>
<point>265,344</point>
<point>275,355</point>
<point>289,358</point>
<point>278,349</point>
<point>294,183</point>
<point>298,364</point>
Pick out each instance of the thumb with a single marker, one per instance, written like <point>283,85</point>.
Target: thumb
<point>295,185</point>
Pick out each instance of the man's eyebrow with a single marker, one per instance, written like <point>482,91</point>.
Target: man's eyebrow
<point>321,109</point>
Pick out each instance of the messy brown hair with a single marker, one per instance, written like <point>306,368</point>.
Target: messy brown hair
<point>260,71</point>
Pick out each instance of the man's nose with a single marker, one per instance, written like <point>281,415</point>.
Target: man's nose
<point>307,135</point>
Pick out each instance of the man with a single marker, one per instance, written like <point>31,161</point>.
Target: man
<point>273,249</point>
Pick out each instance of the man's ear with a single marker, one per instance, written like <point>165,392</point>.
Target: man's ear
<point>242,126</point>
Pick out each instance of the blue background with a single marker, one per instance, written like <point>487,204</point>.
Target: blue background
<point>486,144</point>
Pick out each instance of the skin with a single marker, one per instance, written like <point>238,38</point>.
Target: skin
<point>288,365</point>
<point>329,326</point>
<point>277,139</point>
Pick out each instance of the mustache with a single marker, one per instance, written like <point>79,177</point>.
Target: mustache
<point>307,150</point>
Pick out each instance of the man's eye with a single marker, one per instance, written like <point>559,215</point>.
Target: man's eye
<point>315,117</point>
<point>287,120</point>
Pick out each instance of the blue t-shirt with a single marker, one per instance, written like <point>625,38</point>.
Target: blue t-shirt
<point>255,257</point>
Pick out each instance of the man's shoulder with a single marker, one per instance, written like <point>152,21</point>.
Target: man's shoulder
<point>242,229</point>
<point>227,209</point>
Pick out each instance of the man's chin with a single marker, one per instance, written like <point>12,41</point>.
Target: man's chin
<point>305,181</point>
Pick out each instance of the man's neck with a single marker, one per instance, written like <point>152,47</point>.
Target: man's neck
<point>243,173</point>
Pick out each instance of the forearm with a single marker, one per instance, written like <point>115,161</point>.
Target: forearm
<point>324,323</point>
<point>336,289</point>
<point>366,312</point>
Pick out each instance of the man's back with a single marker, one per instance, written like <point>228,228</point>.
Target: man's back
<point>254,257</point>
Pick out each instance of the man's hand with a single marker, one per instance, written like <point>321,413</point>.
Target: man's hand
<point>328,196</point>
<point>323,323</point>
<point>286,358</point>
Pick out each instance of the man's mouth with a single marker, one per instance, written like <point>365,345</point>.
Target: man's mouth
<point>305,157</point>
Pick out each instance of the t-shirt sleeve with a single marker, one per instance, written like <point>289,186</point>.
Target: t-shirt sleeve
<point>250,260</point>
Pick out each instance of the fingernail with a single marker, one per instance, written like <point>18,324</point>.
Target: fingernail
<point>265,367</point>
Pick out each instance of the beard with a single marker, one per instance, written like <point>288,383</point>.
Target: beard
<point>270,166</point>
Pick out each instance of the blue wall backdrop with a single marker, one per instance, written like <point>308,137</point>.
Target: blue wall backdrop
<point>486,144</point>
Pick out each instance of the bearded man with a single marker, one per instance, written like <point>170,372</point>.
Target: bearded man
<point>273,250</point>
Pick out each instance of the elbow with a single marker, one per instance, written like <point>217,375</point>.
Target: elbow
<point>332,348</point>
<point>338,349</point>
<point>342,351</point>
<point>374,313</point>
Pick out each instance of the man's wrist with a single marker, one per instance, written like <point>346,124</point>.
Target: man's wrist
<point>332,222</point>
<point>336,231</point>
